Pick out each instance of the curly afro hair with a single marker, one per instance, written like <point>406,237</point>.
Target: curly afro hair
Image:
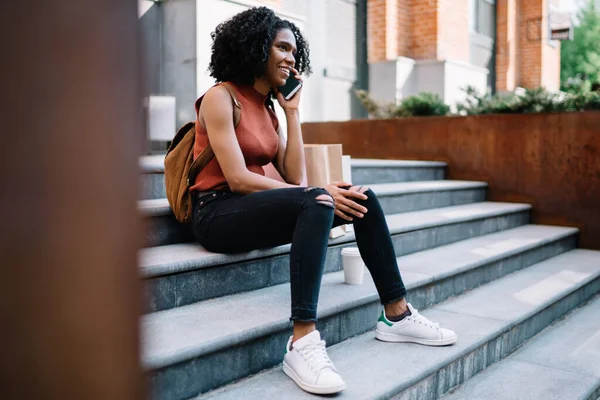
<point>241,46</point>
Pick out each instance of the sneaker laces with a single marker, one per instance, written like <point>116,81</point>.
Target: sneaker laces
<point>422,320</point>
<point>316,356</point>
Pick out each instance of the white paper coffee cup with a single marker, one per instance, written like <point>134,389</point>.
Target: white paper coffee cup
<point>354,267</point>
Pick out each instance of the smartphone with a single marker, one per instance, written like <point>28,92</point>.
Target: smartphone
<point>292,85</point>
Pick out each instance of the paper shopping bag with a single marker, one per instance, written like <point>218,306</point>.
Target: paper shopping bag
<point>323,166</point>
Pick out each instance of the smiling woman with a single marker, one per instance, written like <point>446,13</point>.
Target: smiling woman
<point>243,44</point>
<point>238,209</point>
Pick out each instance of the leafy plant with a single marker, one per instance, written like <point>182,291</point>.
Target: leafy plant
<point>537,100</point>
<point>476,103</point>
<point>576,85</point>
<point>530,101</point>
<point>374,108</point>
<point>422,104</point>
<point>584,101</point>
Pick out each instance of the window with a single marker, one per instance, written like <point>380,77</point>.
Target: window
<point>481,18</point>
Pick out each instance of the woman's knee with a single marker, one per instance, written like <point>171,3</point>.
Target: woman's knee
<point>360,189</point>
<point>320,196</point>
<point>371,196</point>
<point>364,190</point>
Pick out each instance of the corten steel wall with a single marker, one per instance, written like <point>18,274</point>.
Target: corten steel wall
<point>71,112</point>
<point>549,160</point>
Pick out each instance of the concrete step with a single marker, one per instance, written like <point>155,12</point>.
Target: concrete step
<point>161,226</point>
<point>245,333</point>
<point>394,197</point>
<point>562,362</point>
<point>152,177</point>
<point>369,171</point>
<point>181,274</point>
<point>491,322</point>
<point>364,172</point>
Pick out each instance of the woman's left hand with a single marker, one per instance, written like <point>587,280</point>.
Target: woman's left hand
<point>293,103</point>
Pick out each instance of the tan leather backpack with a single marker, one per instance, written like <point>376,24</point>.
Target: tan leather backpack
<point>180,167</point>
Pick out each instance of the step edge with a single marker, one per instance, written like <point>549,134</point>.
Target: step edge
<point>555,299</point>
<point>496,334</point>
<point>383,163</point>
<point>454,187</point>
<point>173,268</point>
<point>148,165</point>
<point>554,326</point>
<point>148,210</point>
<point>556,237</point>
<point>399,388</point>
<point>241,338</point>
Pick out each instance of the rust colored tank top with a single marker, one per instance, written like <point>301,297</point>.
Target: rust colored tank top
<point>256,134</point>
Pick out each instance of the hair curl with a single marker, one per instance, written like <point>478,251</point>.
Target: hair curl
<point>241,46</point>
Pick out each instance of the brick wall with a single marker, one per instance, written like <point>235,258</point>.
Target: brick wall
<point>404,20</point>
<point>530,42</point>
<point>439,30</point>
<point>507,45</point>
<point>402,28</point>
<point>424,29</point>
<point>524,56</point>
<point>391,29</point>
<point>416,29</point>
<point>453,36</point>
<point>376,30</point>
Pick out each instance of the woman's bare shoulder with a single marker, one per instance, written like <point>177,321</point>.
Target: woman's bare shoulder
<point>216,102</point>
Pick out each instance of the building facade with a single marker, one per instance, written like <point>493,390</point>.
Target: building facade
<point>441,46</point>
<point>393,48</point>
<point>176,35</point>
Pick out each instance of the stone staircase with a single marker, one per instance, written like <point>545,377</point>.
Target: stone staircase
<point>216,325</point>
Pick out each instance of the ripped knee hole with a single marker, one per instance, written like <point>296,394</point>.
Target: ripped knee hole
<point>325,200</point>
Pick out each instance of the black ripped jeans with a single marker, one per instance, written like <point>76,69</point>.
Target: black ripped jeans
<point>227,222</point>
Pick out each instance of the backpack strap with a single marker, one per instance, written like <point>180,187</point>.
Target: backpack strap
<point>237,106</point>
<point>208,154</point>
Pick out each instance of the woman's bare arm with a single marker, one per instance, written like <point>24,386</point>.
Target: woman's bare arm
<point>216,111</point>
<point>290,155</point>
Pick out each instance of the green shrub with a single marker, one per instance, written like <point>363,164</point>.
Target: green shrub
<point>476,103</point>
<point>422,104</point>
<point>537,101</point>
<point>586,101</point>
<point>576,85</point>
<point>529,101</point>
<point>373,107</point>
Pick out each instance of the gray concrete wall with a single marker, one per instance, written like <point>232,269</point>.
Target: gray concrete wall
<point>150,28</point>
<point>177,46</point>
<point>168,35</point>
<point>178,77</point>
<point>390,81</point>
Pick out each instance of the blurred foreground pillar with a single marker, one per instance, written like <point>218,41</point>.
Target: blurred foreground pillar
<point>71,134</point>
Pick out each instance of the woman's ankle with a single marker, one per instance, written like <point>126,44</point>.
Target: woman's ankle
<point>396,308</point>
<point>302,329</point>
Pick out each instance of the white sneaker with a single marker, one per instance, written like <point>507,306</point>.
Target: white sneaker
<point>308,364</point>
<point>414,329</point>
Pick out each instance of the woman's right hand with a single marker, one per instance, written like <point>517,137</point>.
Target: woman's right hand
<point>345,207</point>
